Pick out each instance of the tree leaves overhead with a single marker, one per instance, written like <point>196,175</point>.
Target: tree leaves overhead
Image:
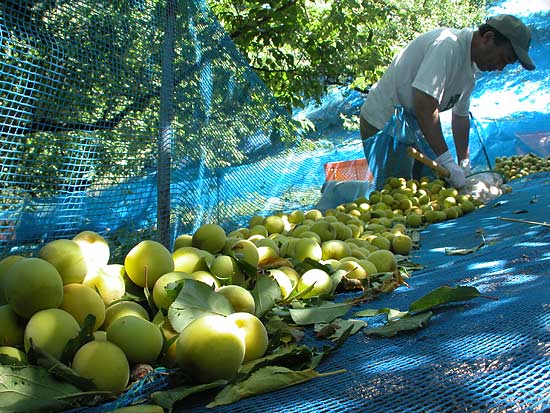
<point>300,47</point>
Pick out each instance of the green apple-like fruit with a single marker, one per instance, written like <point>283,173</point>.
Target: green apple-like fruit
<point>95,250</point>
<point>255,335</point>
<point>5,266</point>
<point>184,240</point>
<point>67,257</point>
<point>210,348</point>
<point>189,260</point>
<point>246,251</point>
<point>209,237</point>
<point>336,249</point>
<point>14,353</point>
<point>267,254</point>
<point>324,229</point>
<point>307,248</point>
<point>109,282</point>
<point>161,298</point>
<point>80,300</point>
<point>12,327</point>
<point>384,260</point>
<point>50,330</point>
<point>274,224</point>
<point>139,339</point>
<point>148,260</point>
<point>104,363</point>
<point>122,309</point>
<point>353,270</point>
<point>33,285</point>
<point>319,279</point>
<point>226,269</point>
<point>206,277</point>
<point>285,284</point>
<point>239,297</point>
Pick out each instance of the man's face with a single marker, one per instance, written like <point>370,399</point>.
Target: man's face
<point>493,57</point>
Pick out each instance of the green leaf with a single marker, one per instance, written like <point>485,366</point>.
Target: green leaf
<point>296,357</point>
<point>167,398</point>
<point>338,327</point>
<point>31,389</point>
<point>195,300</point>
<point>262,381</point>
<point>266,293</point>
<point>85,335</point>
<point>443,295</point>
<point>58,369</point>
<point>390,313</point>
<point>407,323</point>
<point>324,313</point>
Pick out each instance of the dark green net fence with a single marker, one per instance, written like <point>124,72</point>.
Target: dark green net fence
<point>109,106</point>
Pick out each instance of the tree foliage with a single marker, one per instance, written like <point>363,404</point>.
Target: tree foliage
<point>301,47</point>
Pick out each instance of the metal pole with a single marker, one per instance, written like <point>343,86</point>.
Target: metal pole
<point>166,132</point>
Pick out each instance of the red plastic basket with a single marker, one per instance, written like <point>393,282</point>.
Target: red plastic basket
<point>355,170</point>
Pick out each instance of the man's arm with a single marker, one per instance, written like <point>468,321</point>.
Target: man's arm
<point>461,132</point>
<point>427,115</point>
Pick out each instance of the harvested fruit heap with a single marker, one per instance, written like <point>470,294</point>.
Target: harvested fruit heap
<point>220,310</point>
<point>518,166</point>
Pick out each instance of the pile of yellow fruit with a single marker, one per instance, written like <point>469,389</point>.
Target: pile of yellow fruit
<point>519,166</point>
<point>45,299</point>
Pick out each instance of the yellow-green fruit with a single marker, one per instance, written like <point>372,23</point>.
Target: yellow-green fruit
<point>206,278</point>
<point>5,272</point>
<point>12,327</point>
<point>255,220</point>
<point>353,269</point>
<point>240,298</point>
<point>141,340</point>
<point>210,348</point>
<point>401,244</point>
<point>122,309</point>
<point>33,285</point>
<point>292,274</point>
<point>296,216</point>
<point>381,242</point>
<point>79,301</point>
<point>51,330</point>
<point>384,260</point>
<point>414,220</point>
<point>109,282</point>
<point>148,260</point>
<point>246,251</point>
<point>105,364</point>
<point>100,335</point>
<point>67,257</point>
<point>14,353</point>
<point>313,214</point>
<point>184,240</point>
<point>467,206</point>
<point>284,282</point>
<point>336,249</point>
<point>255,335</point>
<point>368,266</point>
<point>319,279</point>
<point>95,250</point>
<point>274,224</point>
<point>326,230</point>
<point>161,297</point>
<point>226,269</point>
<point>307,248</point>
<point>189,260</point>
<point>209,237</point>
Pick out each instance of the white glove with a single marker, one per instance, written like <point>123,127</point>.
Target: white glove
<point>457,178</point>
<point>466,167</point>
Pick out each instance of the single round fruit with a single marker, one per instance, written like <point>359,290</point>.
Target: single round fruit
<point>95,250</point>
<point>285,284</point>
<point>161,298</point>
<point>51,330</point>
<point>255,335</point>
<point>141,340</point>
<point>189,260</point>
<point>240,298</point>
<point>33,285</point>
<point>401,244</point>
<point>5,272</point>
<point>104,363</point>
<point>384,260</point>
<point>319,279</point>
<point>184,240</point>
<point>121,309</point>
<point>80,300</point>
<point>109,282</point>
<point>14,353</point>
<point>12,327</point>
<point>148,259</point>
<point>210,348</point>
<point>67,257</point>
<point>209,237</point>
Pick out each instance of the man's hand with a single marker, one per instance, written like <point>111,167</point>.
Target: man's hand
<point>457,177</point>
<point>465,165</point>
